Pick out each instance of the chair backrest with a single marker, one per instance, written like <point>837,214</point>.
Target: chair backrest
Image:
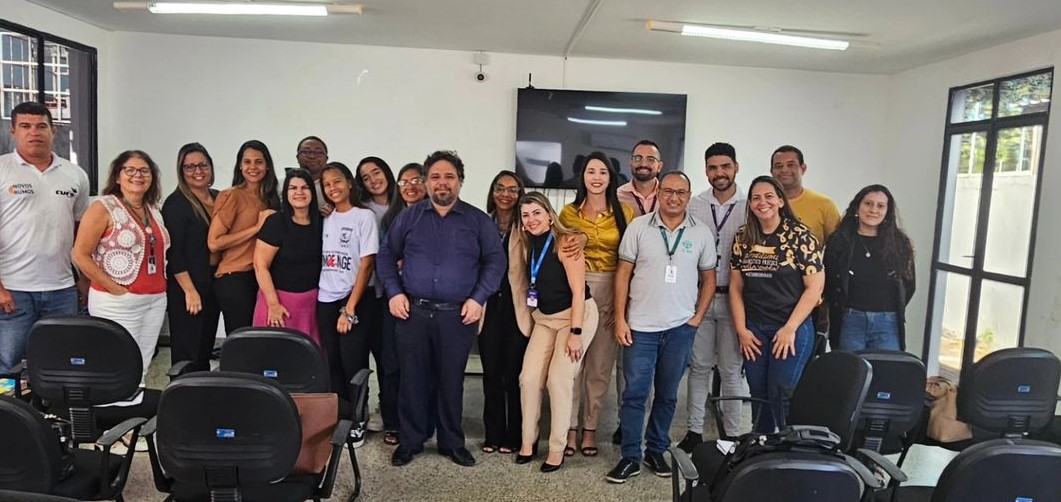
<point>29,449</point>
<point>1002,469</point>
<point>286,355</point>
<point>1011,391</point>
<point>793,477</point>
<point>896,397</point>
<point>219,431</point>
<point>830,394</point>
<point>78,361</point>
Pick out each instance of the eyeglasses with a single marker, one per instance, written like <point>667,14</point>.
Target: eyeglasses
<point>499,189</point>
<point>670,192</point>
<point>648,161</point>
<point>412,182</point>
<point>191,168</point>
<point>312,152</point>
<point>131,171</point>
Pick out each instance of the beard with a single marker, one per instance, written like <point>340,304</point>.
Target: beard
<point>722,183</point>
<point>643,174</point>
<point>443,199</point>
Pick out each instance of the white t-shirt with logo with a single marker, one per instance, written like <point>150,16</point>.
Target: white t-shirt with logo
<point>37,215</point>
<point>348,237</point>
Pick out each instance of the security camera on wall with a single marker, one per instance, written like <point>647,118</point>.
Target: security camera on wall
<point>480,77</point>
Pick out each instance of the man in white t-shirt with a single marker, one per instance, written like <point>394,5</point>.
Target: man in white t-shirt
<point>42,196</point>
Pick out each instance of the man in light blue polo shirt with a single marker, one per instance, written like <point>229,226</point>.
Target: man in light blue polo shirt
<point>663,288</point>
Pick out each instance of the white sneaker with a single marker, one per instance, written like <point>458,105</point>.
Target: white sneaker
<point>357,435</point>
<point>375,421</point>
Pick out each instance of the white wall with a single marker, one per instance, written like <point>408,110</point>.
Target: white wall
<point>175,89</point>
<point>914,146</point>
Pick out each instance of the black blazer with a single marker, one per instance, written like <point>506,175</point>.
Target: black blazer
<point>188,251</point>
<point>838,253</point>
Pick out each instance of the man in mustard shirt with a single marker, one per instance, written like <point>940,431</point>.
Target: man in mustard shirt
<point>814,209</point>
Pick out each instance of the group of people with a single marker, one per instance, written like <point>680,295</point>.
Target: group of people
<point>643,279</point>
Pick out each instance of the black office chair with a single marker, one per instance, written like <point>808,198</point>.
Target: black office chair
<point>829,394</point>
<point>77,363</point>
<point>1010,392</point>
<point>32,459</point>
<point>792,476</point>
<point>298,365</point>
<point>894,404</point>
<point>16,496</point>
<point>1007,469</point>
<point>234,436</point>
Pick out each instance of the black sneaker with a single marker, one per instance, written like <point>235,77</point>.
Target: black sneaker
<point>357,435</point>
<point>657,464</point>
<point>625,470</point>
<point>689,443</point>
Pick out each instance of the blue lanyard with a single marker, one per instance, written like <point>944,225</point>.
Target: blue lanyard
<point>666,242</point>
<point>536,265</point>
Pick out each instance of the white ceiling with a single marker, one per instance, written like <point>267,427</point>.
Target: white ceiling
<point>898,34</point>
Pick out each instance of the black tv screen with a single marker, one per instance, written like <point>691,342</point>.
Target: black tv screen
<point>556,129</point>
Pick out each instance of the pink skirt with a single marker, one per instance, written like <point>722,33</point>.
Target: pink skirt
<point>301,306</point>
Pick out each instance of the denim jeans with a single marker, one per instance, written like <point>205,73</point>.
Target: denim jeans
<point>660,358</point>
<point>869,330</point>
<point>774,379</point>
<point>29,307</point>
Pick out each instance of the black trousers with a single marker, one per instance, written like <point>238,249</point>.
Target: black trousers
<point>387,364</point>
<point>501,348</point>
<point>433,348</point>
<point>191,337</point>
<point>236,294</point>
<point>347,353</point>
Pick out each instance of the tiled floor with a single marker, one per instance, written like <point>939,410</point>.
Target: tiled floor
<point>497,478</point>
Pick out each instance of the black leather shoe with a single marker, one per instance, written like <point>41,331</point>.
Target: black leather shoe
<point>547,467</point>
<point>401,456</point>
<point>460,456</point>
<point>625,470</point>
<point>690,441</point>
<point>617,438</point>
<point>657,464</point>
<point>524,459</point>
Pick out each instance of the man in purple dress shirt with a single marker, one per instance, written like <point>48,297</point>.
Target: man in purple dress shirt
<point>451,262</point>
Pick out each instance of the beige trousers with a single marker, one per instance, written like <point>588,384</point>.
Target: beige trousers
<point>547,366</point>
<point>596,374</point>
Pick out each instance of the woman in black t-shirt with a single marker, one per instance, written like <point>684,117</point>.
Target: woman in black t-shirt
<point>869,264</point>
<point>287,259</point>
<point>775,281</point>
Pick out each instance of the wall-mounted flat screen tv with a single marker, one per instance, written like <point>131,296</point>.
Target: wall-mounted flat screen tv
<point>556,129</point>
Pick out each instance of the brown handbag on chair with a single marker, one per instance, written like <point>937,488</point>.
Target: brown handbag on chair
<point>319,414</point>
<point>943,423</point>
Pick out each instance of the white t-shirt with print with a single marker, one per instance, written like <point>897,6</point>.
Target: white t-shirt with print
<point>348,237</point>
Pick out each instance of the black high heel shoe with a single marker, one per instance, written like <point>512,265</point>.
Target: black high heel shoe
<point>524,459</point>
<point>547,467</point>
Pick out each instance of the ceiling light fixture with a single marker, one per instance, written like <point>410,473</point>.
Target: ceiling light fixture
<point>609,109</point>
<point>242,8</point>
<point>765,37</point>
<point>615,123</point>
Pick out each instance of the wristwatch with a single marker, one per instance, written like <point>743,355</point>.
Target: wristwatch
<point>350,316</point>
<point>576,331</point>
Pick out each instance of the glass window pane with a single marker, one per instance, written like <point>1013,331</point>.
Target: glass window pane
<point>998,320</point>
<point>1009,223</point>
<point>952,292</point>
<point>965,167</point>
<point>1025,95</point>
<point>971,104</point>
<point>19,81</point>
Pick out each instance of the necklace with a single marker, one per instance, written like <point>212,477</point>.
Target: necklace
<point>860,241</point>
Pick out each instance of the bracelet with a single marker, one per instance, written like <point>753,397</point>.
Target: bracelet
<point>576,331</point>
<point>350,316</point>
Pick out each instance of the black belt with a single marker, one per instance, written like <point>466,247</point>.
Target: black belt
<point>432,305</point>
<point>722,290</point>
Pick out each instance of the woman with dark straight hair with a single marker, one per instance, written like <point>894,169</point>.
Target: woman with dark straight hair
<point>869,267</point>
<point>776,279</point>
<point>599,215</point>
<point>375,185</point>
<point>239,213</point>
<point>191,306</point>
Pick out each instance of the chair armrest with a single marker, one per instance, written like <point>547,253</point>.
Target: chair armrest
<point>358,393</point>
<point>178,370</point>
<point>149,427</point>
<point>342,432</point>
<point>716,408</point>
<point>112,435</point>
<point>893,471</point>
<point>682,465</point>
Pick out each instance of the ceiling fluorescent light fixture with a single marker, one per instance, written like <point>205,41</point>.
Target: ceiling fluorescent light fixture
<point>270,9</point>
<point>765,37</point>
<point>614,123</point>
<point>636,111</point>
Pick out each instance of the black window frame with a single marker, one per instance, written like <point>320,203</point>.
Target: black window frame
<point>90,164</point>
